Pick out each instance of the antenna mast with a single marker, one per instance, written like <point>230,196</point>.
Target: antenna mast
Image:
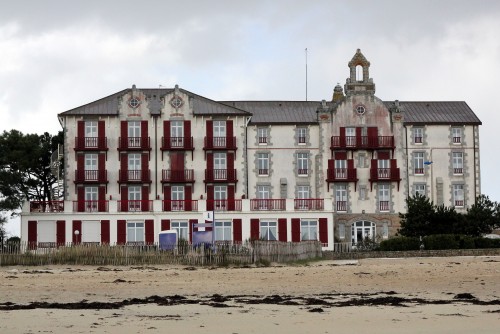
<point>306,74</point>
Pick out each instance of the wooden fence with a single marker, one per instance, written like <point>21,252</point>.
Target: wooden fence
<point>260,252</point>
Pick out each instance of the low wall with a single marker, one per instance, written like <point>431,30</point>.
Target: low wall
<point>419,253</point>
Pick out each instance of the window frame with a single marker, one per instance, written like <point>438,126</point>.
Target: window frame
<point>225,228</point>
<point>302,161</point>
<point>138,228</point>
<point>457,163</point>
<point>309,230</point>
<point>265,226</point>
<point>263,164</point>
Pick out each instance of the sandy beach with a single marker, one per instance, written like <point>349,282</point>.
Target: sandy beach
<point>414,295</point>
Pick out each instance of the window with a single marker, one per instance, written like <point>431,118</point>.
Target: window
<point>458,195</point>
<point>362,230</point>
<point>91,199</point>
<point>263,192</point>
<point>341,197</point>
<point>220,165</point>
<point>360,110</point>
<point>342,231</point>
<point>262,134</point>
<point>181,228</point>
<point>303,194</point>
<point>384,172</point>
<point>302,163</point>
<point>302,135</point>
<point>308,230</point>
<point>362,193</point>
<point>385,231</point>
<point>458,162</point>
<point>340,169</point>
<point>418,161</point>
<point>134,134</point>
<point>263,163</point>
<point>359,73</point>
<point>90,134</point>
<point>418,135</point>
<point>223,231</point>
<point>134,167</point>
<point>177,133</point>
<point>420,189</point>
<point>219,128</point>
<point>134,102</point>
<point>350,137</point>
<point>177,197</point>
<point>134,198</point>
<point>383,197</point>
<point>220,196</point>
<point>361,160</point>
<point>456,134</point>
<point>268,230</point>
<point>90,167</point>
<point>135,232</point>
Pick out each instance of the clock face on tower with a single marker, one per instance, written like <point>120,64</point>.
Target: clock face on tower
<point>176,102</point>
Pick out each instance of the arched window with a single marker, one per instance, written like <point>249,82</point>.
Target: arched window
<point>359,73</point>
<point>361,230</point>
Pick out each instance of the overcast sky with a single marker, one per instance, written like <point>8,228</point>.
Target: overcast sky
<point>58,55</point>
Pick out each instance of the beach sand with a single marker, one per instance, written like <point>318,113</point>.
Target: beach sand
<point>413,295</point>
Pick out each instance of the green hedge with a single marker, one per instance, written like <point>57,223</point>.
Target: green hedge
<point>437,242</point>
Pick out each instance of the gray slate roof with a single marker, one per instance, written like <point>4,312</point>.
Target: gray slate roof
<point>437,112</point>
<point>279,112</point>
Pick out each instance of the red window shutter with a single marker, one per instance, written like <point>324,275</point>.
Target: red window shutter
<point>210,131</point>
<point>350,164</point>
<point>210,197</point>
<point>331,164</point>
<point>230,163</point>
<point>372,131</point>
<point>282,232</point>
<point>149,231</point>
<point>237,237</point>
<point>230,197</point>
<point>124,198</point>
<point>177,161</point>
<point>101,134</point>
<point>323,230</point>
<point>80,167</point>
<point>32,234</point>
<point>144,134</point>
<point>210,161</point>
<point>358,136</point>
<point>101,162</point>
<point>77,226</point>
<point>123,134</point>
<point>167,195</point>
<point>394,164</point>
<point>166,134</point>
<point>187,133</point>
<point>102,199</point>
<point>145,198</point>
<point>80,195</point>
<point>254,229</point>
<point>80,131</point>
<point>121,229</point>
<point>188,195</point>
<point>229,133</point>
<point>145,167</point>
<point>191,226</point>
<point>60,232</point>
<point>342,136</point>
<point>104,231</point>
<point>374,164</point>
<point>383,155</point>
<point>295,229</point>
<point>340,155</point>
<point>165,224</point>
<point>123,167</point>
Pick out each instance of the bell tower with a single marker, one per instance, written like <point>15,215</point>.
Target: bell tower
<point>359,82</point>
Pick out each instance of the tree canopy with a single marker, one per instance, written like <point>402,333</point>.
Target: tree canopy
<point>424,218</point>
<point>25,168</point>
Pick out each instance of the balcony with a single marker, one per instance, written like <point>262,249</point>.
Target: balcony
<point>362,142</point>
<point>177,144</point>
<point>341,206</point>
<point>180,176</point>
<point>90,206</point>
<point>134,144</point>
<point>91,176</point>
<point>383,206</point>
<point>384,174</point>
<point>220,143</point>
<point>308,204</point>
<point>180,205</point>
<point>342,175</point>
<point>220,175</point>
<point>267,204</point>
<point>91,144</point>
<point>458,171</point>
<point>224,205</point>
<point>135,206</point>
<point>134,176</point>
<point>47,206</point>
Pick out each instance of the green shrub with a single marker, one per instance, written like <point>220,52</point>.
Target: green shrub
<point>400,244</point>
<point>486,243</point>
<point>441,241</point>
